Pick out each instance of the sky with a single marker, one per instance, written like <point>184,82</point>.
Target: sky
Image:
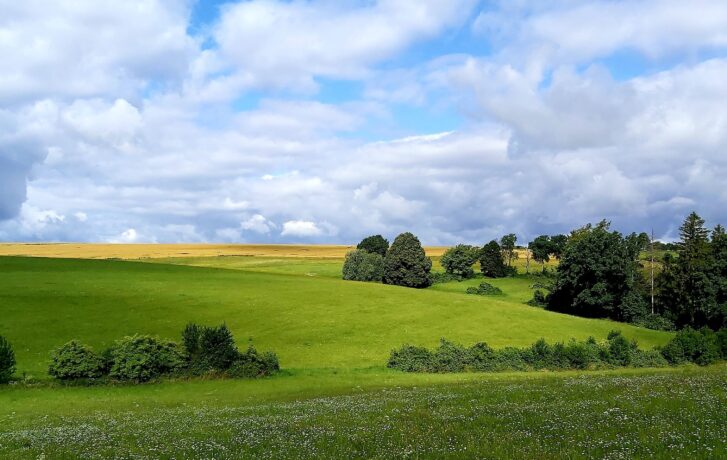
<point>269,121</point>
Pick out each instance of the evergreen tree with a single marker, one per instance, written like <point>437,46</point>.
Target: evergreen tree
<point>406,264</point>
<point>7,360</point>
<point>492,263</point>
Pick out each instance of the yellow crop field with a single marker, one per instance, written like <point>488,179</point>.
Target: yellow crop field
<point>158,251</point>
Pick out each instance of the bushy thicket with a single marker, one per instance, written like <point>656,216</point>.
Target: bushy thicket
<point>74,361</point>
<point>7,360</point>
<point>702,347</point>
<point>361,265</point>
<point>484,289</point>
<point>615,351</point>
<point>141,358</point>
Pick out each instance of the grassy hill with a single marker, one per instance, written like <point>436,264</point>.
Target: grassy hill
<point>311,322</point>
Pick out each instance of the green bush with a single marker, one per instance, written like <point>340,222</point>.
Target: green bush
<point>361,265</point>
<point>722,342</point>
<point>539,299</point>
<point>582,355</point>
<point>655,322</point>
<point>440,277</point>
<point>217,349</point>
<point>699,347</point>
<point>620,350</point>
<point>511,359</point>
<point>459,259</point>
<point>409,358</point>
<point>74,361</point>
<point>7,360</point>
<point>648,358</point>
<point>142,358</point>
<point>252,364</point>
<point>482,358</point>
<point>406,264</point>
<point>450,357</point>
<point>375,244</point>
<point>484,289</point>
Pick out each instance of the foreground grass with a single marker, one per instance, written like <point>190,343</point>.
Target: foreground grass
<point>311,322</point>
<point>626,414</point>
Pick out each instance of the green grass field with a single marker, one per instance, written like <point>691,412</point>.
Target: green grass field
<point>333,338</point>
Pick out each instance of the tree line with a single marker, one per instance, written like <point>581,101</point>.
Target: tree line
<point>599,274</point>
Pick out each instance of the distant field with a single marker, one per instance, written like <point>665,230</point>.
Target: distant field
<point>154,251</point>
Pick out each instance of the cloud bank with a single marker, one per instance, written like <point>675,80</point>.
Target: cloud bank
<point>328,121</point>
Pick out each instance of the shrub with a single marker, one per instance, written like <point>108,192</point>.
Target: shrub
<point>142,358</point>
<point>459,259</point>
<point>409,358</point>
<point>252,364</point>
<point>74,361</point>
<point>439,277</point>
<point>511,359</point>
<point>482,357</point>
<point>217,349</point>
<point>655,322</point>
<point>484,289</point>
<point>450,357</point>
<point>722,342</point>
<point>7,360</point>
<point>648,358</point>
<point>699,347</point>
<point>539,299</point>
<point>406,263</point>
<point>582,355</point>
<point>190,339</point>
<point>361,265</point>
<point>620,350</point>
<point>492,263</point>
<point>375,244</point>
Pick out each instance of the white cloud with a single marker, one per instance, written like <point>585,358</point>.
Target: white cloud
<point>258,224</point>
<point>300,228</point>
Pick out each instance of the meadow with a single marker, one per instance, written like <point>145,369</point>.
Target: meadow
<point>334,396</point>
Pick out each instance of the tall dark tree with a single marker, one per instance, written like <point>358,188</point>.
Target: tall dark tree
<point>598,276</point>
<point>7,360</point>
<point>406,264</point>
<point>541,248</point>
<point>690,296</point>
<point>375,244</point>
<point>719,255</point>
<point>458,260</point>
<point>507,243</point>
<point>492,263</point>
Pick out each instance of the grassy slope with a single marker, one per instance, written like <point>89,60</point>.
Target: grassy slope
<point>310,322</point>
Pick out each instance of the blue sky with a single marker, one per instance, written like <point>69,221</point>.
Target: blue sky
<point>323,121</point>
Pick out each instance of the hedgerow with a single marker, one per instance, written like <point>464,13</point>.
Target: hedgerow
<point>699,347</point>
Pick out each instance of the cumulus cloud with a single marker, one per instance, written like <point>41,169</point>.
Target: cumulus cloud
<point>167,141</point>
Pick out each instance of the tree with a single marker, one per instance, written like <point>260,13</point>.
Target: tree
<point>406,264</point>
<point>541,247</point>
<point>557,243</point>
<point>375,244</point>
<point>459,259</point>
<point>598,277</point>
<point>688,288</point>
<point>507,243</point>
<point>361,265</point>
<point>492,263</point>
<point>719,255</point>
<point>7,360</point>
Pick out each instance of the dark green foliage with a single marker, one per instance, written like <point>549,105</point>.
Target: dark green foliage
<point>361,265</point>
<point>692,288</point>
<point>410,359</point>
<point>74,361</point>
<point>722,342</point>
<point>700,347</point>
<point>655,322</point>
<point>492,263</point>
<point>617,351</point>
<point>142,358</point>
<point>557,245</point>
<point>190,338</point>
<point>507,243</point>
<point>541,248</point>
<point>406,264</point>
<point>252,364</point>
<point>7,360</point>
<point>598,276</point>
<point>375,244</point>
<point>459,259</point>
<point>540,299</point>
<point>217,349</point>
<point>484,289</point>
<point>439,277</point>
